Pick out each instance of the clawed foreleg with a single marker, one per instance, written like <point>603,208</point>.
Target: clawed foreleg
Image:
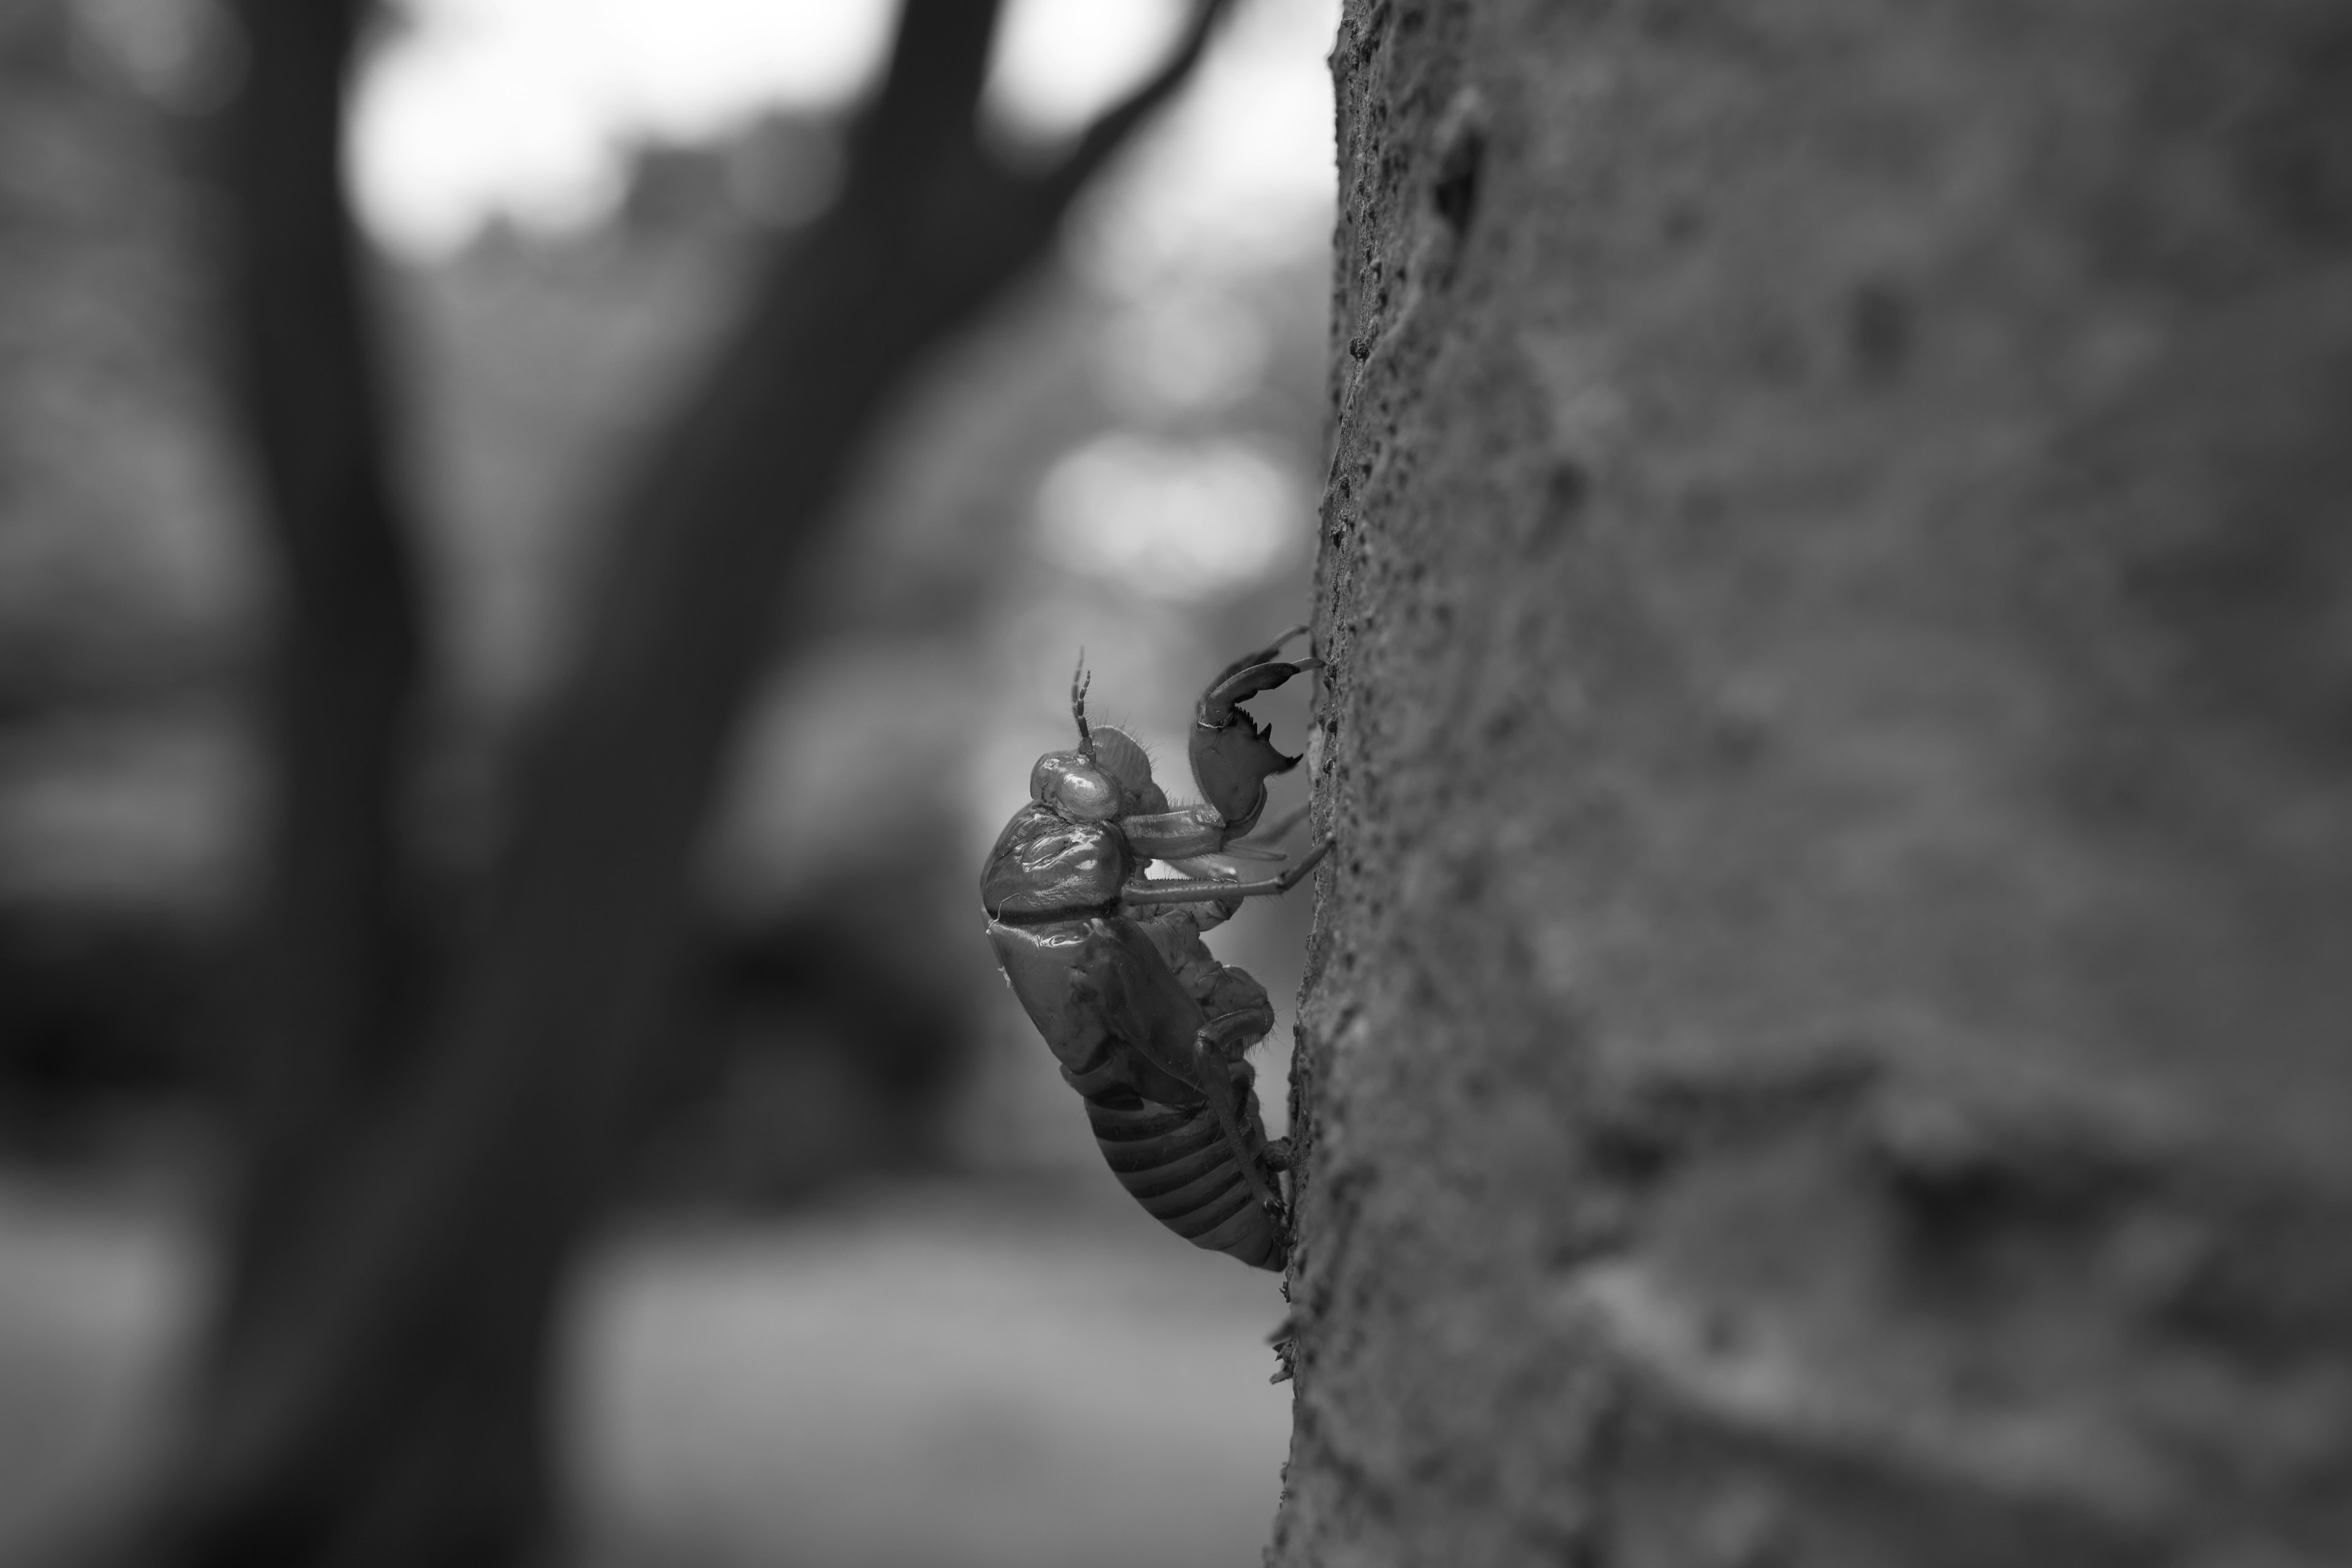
<point>1232,755</point>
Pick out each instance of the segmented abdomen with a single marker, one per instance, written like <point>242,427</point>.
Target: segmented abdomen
<point>1178,1166</point>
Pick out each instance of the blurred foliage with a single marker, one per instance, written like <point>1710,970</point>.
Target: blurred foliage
<point>128,589</point>
<point>124,575</point>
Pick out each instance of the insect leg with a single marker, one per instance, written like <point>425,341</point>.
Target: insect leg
<point>1233,754</point>
<point>1266,653</point>
<point>1252,673</point>
<point>1214,1049</point>
<point>1214,891</point>
<point>1268,832</point>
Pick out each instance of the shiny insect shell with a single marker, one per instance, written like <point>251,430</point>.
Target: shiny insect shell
<point>1148,1027</point>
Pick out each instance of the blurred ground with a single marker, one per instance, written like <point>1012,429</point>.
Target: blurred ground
<point>1004,1373</point>
<point>99,1286</point>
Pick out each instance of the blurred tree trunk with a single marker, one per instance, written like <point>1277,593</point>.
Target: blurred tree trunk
<point>423,1160</point>
<point>1826,1042</point>
<point>332,940</point>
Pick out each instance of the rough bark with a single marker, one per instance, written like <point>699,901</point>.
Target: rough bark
<point>1825,1039</point>
<point>379,1397</point>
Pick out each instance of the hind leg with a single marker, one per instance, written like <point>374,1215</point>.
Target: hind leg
<point>1225,1079</point>
<point>1239,1015</point>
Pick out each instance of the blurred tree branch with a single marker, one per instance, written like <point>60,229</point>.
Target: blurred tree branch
<point>378,1397</point>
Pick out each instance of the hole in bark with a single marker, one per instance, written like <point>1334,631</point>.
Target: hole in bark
<point>1878,328</point>
<point>1566,488</point>
<point>1456,195</point>
<point>1461,144</point>
<point>1630,1151</point>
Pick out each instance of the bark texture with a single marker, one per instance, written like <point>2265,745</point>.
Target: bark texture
<point>1826,1040</point>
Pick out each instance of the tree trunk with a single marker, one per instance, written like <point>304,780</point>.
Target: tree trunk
<point>1826,1042</point>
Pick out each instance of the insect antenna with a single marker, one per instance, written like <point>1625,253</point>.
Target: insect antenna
<point>1081,681</point>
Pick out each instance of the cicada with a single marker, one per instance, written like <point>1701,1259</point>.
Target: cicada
<point>1148,1026</point>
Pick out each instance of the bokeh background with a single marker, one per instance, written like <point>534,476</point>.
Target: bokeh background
<point>871,1298</point>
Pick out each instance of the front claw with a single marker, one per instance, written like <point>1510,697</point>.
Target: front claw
<point>1233,754</point>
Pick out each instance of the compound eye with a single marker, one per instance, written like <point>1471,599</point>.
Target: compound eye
<point>1046,774</point>
<point>1074,784</point>
<point>1087,794</point>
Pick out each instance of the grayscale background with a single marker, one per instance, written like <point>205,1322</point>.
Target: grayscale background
<point>867,1296</point>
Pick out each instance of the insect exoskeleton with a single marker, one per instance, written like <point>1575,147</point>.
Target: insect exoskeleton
<point>1148,1026</point>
